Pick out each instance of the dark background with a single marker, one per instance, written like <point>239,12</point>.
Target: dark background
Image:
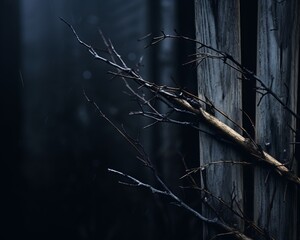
<point>55,149</point>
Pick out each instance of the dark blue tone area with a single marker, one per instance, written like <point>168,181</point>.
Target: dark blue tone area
<point>55,149</point>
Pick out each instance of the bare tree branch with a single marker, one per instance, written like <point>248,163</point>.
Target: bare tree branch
<point>180,203</point>
<point>228,60</point>
<point>184,100</point>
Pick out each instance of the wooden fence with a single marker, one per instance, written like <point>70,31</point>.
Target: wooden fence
<point>261,204</point>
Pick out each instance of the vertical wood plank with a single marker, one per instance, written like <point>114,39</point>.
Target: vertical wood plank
<point>275,201</point>
<point>218,25</point>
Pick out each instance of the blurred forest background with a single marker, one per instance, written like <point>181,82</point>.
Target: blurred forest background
<point>55,149</point>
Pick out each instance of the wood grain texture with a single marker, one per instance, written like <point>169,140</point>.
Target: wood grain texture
<point>275,201</point>
<point>217,24</point>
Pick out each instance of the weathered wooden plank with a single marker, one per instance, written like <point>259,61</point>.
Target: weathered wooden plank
<point>275,201</point>
<point>218,25</point>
